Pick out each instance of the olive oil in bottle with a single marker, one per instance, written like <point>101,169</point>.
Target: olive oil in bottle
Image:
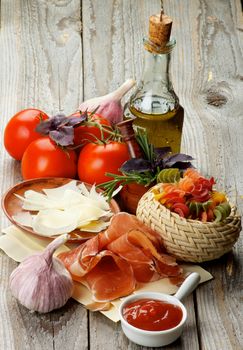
<point>154,105</point>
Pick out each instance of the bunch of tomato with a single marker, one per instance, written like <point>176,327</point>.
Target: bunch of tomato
<point>41,157</point>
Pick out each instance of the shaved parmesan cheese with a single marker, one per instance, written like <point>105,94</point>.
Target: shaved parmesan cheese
<point>95,196</point>
<point>73,198</point>
<point>83,189</point>
<point>89,213</point>
<point>23,218</point>
<point>51,222</point>
<point>114,193</point>
<point>95,226</point>
<point>36,201</point>
<point>65,208</point>
<point>57,193</point>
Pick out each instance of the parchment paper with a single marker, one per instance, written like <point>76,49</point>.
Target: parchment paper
<point>18,244</point>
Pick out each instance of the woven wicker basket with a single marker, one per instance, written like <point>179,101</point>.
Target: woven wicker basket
<point>189,240</point>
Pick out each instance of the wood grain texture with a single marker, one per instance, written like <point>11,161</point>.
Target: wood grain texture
<point>118,39</point>
<point>210,87</point>
<point>41,66</point>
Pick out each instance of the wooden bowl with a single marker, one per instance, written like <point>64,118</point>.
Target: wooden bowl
<point>12,205</point>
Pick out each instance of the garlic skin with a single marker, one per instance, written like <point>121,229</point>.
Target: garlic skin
<point>41,282</point>
<point>109,106</point>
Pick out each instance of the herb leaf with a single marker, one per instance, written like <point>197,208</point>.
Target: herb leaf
<point>173,159</point>
<point>162,151</point>
<point>64,136</point>
<point>45,126</point>
<point>136,165</point>
<point>147,148</point>
<point>61,128</point>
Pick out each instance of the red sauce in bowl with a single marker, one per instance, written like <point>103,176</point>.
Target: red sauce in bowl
<point>152,315</point>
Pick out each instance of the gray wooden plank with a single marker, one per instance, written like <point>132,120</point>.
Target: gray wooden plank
<point>209,49</point>
<point>113,42</point>
<point>220,304</point>
<point>41,66</point>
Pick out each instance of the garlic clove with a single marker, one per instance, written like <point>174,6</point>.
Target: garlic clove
<point>109,106</point>
<point>41,282</point>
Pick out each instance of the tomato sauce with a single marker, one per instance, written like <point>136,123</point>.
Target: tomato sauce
<point>152,315</point>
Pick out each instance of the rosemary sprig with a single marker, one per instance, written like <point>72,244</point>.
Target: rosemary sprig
<point>147,148</point>
<point>109,187</point>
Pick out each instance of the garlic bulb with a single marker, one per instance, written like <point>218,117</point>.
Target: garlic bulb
<point>41,282</point>
<point>109,106</point>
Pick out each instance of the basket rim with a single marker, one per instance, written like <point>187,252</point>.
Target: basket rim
<point>233,213</point>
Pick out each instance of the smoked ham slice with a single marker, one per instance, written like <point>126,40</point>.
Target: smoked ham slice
<point>111,263</point>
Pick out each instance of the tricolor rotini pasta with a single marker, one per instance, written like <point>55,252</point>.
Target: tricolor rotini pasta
<point>191,196</point>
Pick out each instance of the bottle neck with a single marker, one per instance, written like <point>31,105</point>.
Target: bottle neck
<point>156,69</point>
<point>155,94</point>
<point>157,63</point>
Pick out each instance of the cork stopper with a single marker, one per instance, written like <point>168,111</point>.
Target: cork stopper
<point>160,29</point>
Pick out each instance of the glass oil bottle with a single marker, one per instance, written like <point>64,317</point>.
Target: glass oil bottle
<point>154,105</point>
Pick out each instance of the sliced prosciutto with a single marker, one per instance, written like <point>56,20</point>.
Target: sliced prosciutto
<point>111,263</point>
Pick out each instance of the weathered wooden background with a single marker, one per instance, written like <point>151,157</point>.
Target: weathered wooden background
<point>56,53</point>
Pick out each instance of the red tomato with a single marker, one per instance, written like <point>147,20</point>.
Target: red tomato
<point>96,160</point>
<point>20,131</point>
<point>43,158</point>
<point>84,134</point>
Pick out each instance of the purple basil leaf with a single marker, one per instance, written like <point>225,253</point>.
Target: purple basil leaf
<point>136,164</point>
<point>57,121</point>
<point>63,136</point>
<point>161,152</point>
<point>75,121</point>
<point>178,157</point>
<point>45,126</point>
<point>159,163</point>
<point>181,165</point>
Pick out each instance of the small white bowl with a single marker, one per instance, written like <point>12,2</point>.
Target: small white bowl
<point>152,338</point>
<point>159,338</point>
